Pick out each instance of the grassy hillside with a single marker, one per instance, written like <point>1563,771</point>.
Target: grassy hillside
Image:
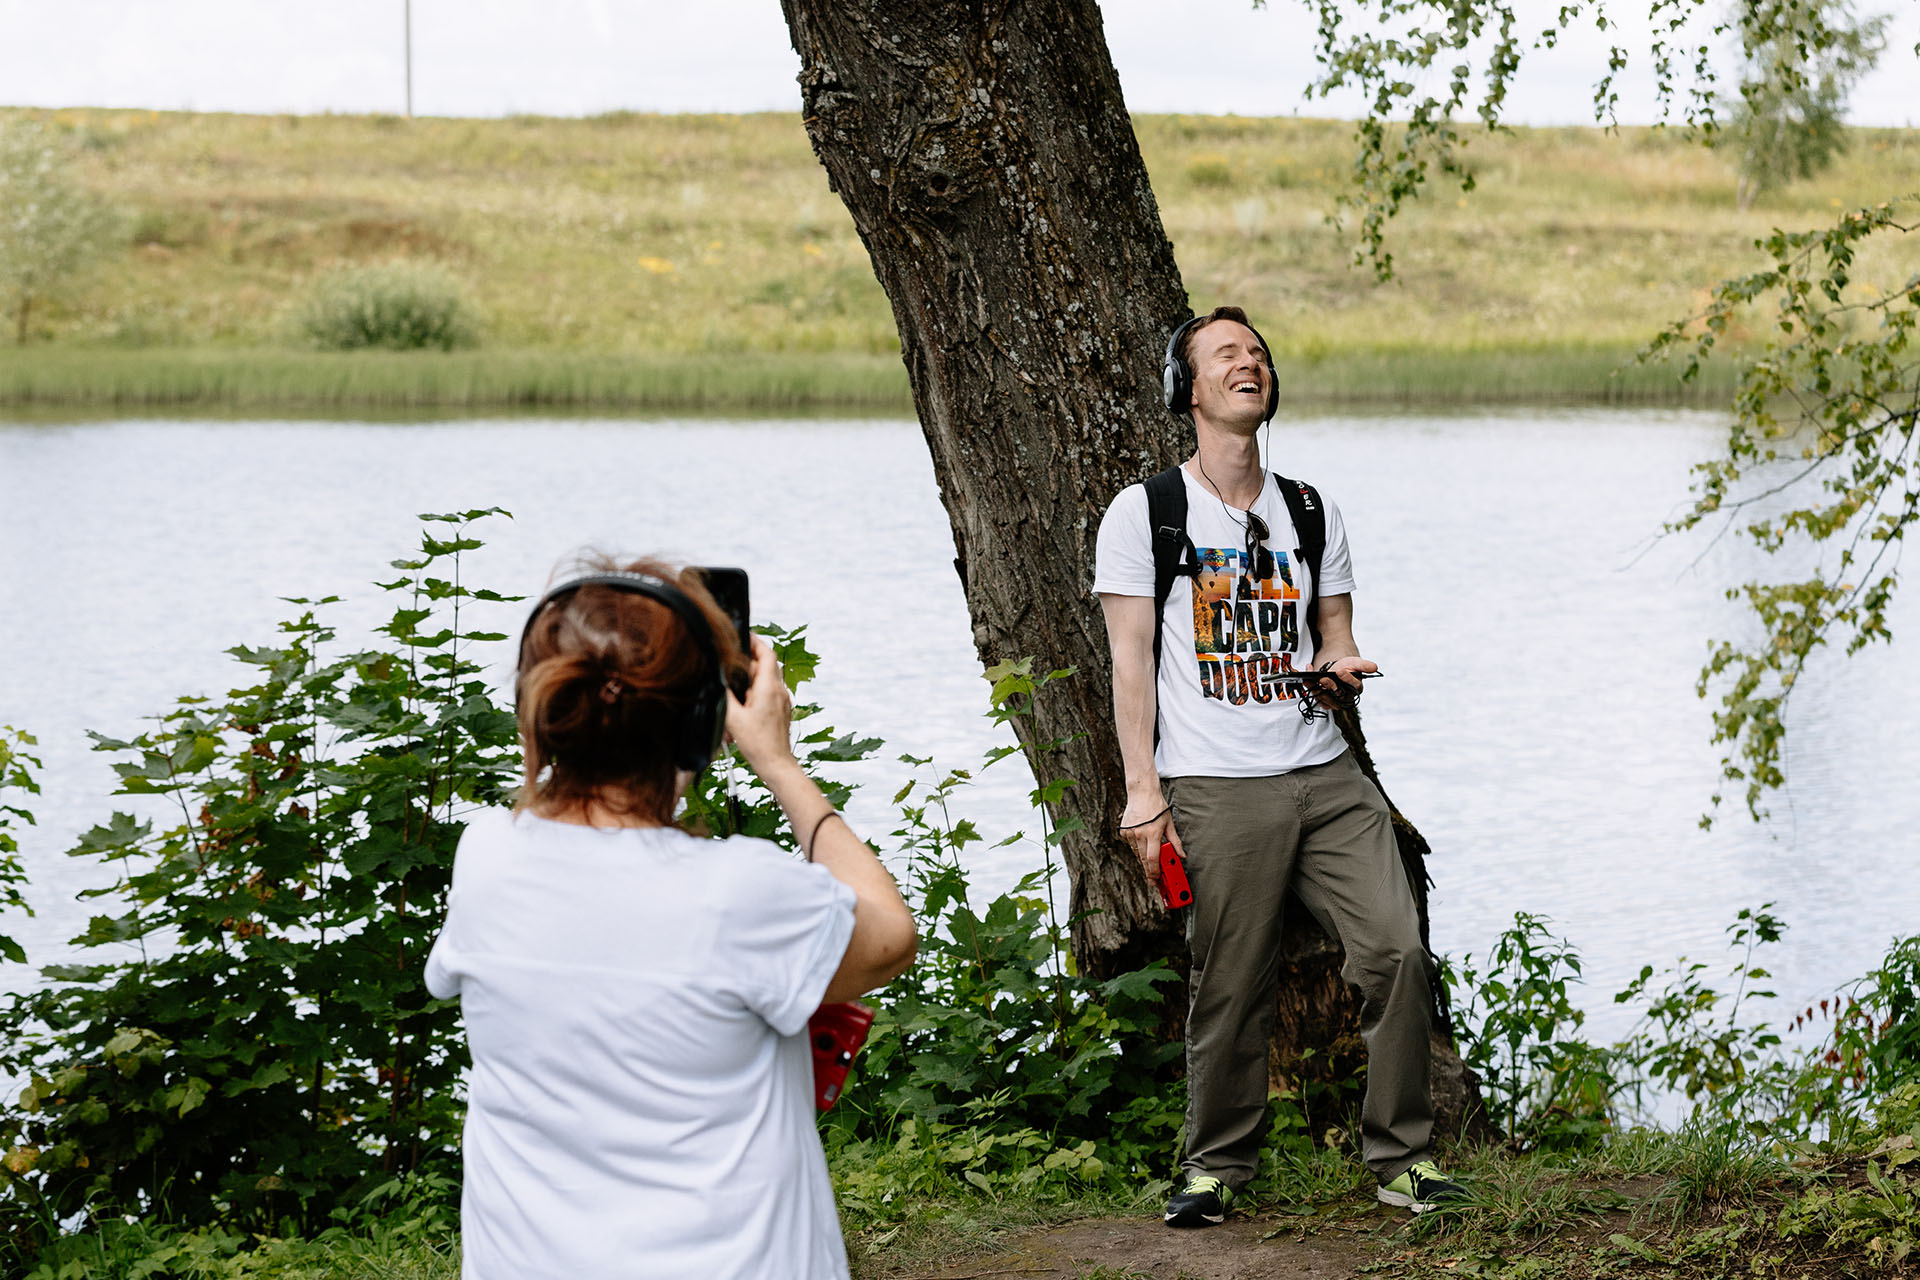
<point>635,259</point>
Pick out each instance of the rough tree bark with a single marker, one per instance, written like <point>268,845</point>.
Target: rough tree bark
<point>991,169</point>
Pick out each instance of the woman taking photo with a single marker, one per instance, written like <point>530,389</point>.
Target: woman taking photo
<point>636,997</point>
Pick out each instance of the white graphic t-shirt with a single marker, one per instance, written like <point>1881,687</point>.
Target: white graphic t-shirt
<point>1226,635</point>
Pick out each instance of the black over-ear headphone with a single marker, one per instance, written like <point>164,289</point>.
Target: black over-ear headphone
<point>700,733</point>
<point>1176,377</point>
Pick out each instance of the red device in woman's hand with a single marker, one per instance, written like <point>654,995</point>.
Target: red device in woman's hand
<point>836,1032</point>
<point>1173,878</point>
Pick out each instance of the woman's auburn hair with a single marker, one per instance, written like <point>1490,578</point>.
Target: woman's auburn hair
<point>607,678</point>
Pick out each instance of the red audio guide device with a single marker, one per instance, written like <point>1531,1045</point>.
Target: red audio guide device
<point>1173,878</point>
<point>837,1031</point>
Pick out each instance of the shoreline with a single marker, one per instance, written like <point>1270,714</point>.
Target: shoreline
<point>141,380</point>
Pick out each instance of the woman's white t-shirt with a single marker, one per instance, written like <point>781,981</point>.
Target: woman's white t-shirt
<point>641,1100</point>
<point>1226,635</point>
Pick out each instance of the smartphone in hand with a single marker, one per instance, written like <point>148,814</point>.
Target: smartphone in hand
<point>729,588</point>
<point>1173,878</point>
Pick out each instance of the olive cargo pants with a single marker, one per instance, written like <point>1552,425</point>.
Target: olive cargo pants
<point>1326,833</point>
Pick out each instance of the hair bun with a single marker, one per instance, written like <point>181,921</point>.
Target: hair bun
<point>605,684</point>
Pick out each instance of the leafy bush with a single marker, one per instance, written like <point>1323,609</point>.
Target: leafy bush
<point>1210,171</point>
<point>1685,1043</point>
<point>1869,1059</point>
<point>1548,1087</point>
<point>1544,1085</point>
<point>1877,1040</point>
<point>992,1061</point>
<point>405,1229</point>
<point>267,1052</point>
<point>1740,1073</point>
<point>400,306</point>
<point>15,773</point>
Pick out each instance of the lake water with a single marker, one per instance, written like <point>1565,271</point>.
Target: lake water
<point>1538,723</point>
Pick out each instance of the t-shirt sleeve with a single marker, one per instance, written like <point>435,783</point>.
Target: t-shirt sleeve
<point>442,982</point>
<point>1336,562</point>
<point>1123,550</point>
<point>443,966</point>
<point>786,932</point>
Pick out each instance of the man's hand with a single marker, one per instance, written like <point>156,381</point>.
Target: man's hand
<point>1146,824</point>
<point>1345,670</point>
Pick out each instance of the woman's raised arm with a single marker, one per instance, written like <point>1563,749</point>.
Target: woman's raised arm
<point>884,937</point>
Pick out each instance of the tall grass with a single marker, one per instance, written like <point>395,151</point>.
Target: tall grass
<point>1482,375</point>
<point>463,379</point>
<point>290,379</point>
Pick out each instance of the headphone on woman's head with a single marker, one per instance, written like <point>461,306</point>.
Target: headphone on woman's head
<point>706,723</point>
<point>1176,377</point>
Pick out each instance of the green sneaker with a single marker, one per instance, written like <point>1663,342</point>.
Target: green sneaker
<point>1202,1202</point>
<point>1420,1188</point>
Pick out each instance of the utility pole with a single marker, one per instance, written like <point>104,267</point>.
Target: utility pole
<point>409,23</point>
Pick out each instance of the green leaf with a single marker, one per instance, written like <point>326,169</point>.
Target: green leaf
<point>118,833</point>
<point>1639,1249</point>
<point>1138,984</point>
<point>185,1097</point>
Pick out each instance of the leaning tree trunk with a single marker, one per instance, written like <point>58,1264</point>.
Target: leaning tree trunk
<point>991,169</point>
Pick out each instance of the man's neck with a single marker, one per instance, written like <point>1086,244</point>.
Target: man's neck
<point>1228,464</point>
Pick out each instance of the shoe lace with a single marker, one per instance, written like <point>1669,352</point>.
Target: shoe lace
<point>1203,1184</point>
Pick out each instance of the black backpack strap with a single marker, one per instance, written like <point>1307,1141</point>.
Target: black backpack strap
<point>1173,552</point>
<point>1310,525</point>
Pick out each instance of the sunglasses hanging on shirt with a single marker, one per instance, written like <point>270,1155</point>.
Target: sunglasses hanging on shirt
<point>1259,559</point>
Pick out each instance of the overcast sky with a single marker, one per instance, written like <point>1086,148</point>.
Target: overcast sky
<point>571,57</point>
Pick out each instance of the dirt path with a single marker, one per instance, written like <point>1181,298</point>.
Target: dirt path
<point>1348,1238</point>
<point>1270,1247</point>
<point>1600,1231</point>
